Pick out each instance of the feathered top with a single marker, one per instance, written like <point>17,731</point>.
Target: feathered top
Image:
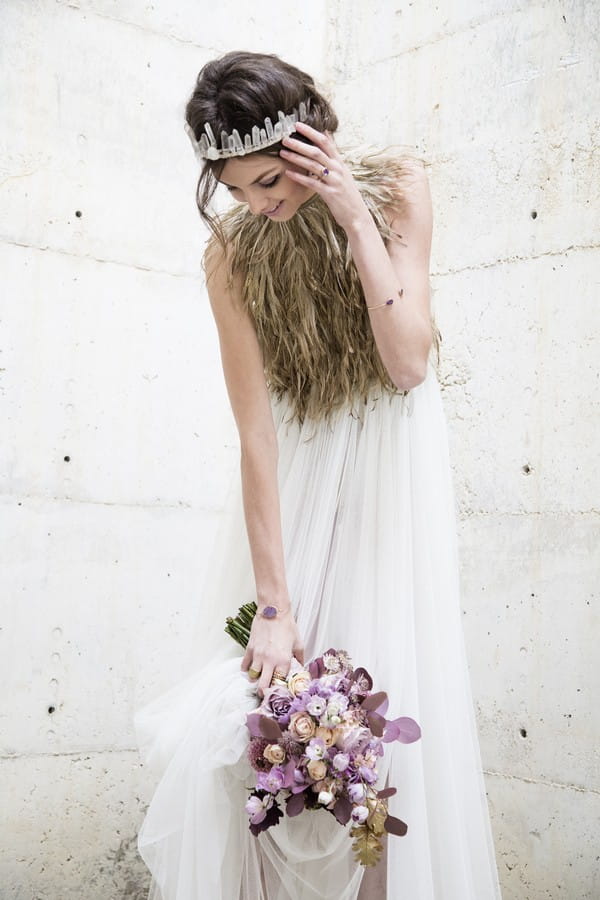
<point>302,289</point>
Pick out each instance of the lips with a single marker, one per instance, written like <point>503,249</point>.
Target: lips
<point>271,212</point>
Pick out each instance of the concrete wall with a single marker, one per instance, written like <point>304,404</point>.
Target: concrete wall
<point>117,443</point>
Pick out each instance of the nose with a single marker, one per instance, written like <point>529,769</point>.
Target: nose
<point>255,202</point>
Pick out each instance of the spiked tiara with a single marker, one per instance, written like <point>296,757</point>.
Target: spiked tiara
<point>259,138</point>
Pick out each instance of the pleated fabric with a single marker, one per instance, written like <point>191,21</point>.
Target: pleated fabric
<point>369,531</point>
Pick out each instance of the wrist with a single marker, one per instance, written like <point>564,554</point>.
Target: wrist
<point>270,612</point>
<point>266,601</point>
<point>361,223</point>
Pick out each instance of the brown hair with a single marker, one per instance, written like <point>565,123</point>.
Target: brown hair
<point>239,90</point>
<point>303,292</point>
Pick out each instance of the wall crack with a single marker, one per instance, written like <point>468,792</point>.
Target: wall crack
<point>563,785</point>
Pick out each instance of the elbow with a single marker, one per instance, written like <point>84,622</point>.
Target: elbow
<point>410,367</point>
<point>409,373</point>
<point>409,378</point>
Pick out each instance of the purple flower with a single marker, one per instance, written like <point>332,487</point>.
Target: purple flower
<point>277,704</point>
<point>360,814</point>
<point>316,705</point>
<point>257,807</point>
<point>271,781</point>
<point>353,737</point>
<point>357,792</point>
<point>367,774</point>
<point>315,748</point>
<point>341,761</point>
<point>255,751</point>
<point>298,704</point>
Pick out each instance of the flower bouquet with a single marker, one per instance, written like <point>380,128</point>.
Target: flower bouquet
<point>315,741</point>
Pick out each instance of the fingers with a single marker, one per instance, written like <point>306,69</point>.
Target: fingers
<point>246,660</point>
<point>298,652</point>
<point>311,164</point>
<point>265,678</point>
<point>309,180</point>
<point>305,152</point>
<point>324,141</point>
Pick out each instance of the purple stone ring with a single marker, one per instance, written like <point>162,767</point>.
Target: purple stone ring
<point>269,612</point>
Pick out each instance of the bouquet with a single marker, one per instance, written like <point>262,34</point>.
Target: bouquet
<point>315,742</point>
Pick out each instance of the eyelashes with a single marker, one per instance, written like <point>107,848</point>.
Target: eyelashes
<point>271,183</point>
<point>262,184</point>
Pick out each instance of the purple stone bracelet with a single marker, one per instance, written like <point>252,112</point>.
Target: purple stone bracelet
<point>269,612</point>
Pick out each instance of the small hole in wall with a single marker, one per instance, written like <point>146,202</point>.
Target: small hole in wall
<point>51,709</point>
<point>526,469</point>
<point>533,214</point>
<point>523,732</point>
<point>67,459</point>
<point>78,213</point>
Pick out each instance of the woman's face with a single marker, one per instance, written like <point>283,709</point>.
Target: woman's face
<point>260,181</point>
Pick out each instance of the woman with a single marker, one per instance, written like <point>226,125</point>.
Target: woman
<point>318,279</point>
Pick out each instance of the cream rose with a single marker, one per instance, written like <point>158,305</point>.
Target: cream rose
<point>317,769</point>
<point>326,735</point>
<point>299,682</point>
<point>274,754</point>
<point>302,727</point>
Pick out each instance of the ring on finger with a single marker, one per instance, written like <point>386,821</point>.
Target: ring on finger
<point>253,674</point>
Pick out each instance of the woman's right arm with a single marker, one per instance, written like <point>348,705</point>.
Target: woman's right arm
<point>272,641</point>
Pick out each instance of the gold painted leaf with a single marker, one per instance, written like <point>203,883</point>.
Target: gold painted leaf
<point>367,846</point>
<point>377,815</point>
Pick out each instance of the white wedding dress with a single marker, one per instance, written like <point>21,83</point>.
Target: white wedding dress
<point>369,530</point>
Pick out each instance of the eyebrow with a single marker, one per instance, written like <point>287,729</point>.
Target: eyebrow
<point>256,180</point>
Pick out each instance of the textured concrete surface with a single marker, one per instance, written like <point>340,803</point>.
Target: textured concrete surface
<point>118,446</point>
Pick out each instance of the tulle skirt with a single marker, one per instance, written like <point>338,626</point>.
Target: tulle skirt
<point>369,532</point>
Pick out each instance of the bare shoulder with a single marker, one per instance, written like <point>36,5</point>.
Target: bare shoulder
<point>223,286</point>
<point>414,192</point>
<point>411,217</point>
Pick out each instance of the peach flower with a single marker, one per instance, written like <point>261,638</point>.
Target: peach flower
<point>317,769</point>
<point>299,682</point>
<point>274,754</point>
<point>302,727</point>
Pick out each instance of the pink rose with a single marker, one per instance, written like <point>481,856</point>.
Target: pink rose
<point>302,727</point>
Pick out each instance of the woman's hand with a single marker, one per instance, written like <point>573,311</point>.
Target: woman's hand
<point>271,645</point>
<point>326,174</point>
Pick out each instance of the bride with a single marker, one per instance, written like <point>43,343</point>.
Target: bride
<point>344,532</point>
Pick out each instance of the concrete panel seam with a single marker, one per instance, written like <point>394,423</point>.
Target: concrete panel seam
<point>470,512</point>
<point>74,754</point>
<point>516,258</point>
<point>435,39</point>
<point>180,504</point>
<point>115,262</point>
<point>126,22</point>
<point>552,784</point>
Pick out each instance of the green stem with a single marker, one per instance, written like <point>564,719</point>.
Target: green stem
<point>239,627</point>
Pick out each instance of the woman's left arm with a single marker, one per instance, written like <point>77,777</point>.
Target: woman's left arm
<point>402,330</point>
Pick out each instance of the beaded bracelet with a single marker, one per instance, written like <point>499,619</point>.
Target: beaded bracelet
<point>387,302</point>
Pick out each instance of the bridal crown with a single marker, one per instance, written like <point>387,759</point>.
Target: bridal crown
<point>259,138</point>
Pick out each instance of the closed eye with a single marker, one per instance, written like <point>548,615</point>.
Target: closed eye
<point>271,183</point>
<point>262,184</point>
